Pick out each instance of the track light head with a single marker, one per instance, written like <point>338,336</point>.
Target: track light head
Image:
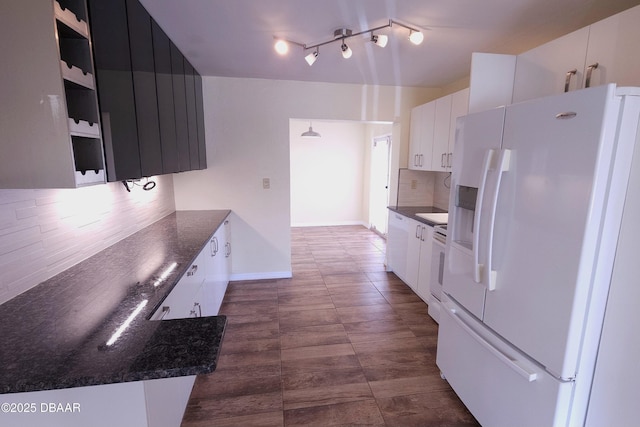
<point>416,37</point>
<point>346,51</point>
<point>311,58</point>
<point>380,40</point>
<point>281,46</point>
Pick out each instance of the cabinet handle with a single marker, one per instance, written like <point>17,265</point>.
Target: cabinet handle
<point>590,69</point>
<point>214,246</point>
<point>416,160</point>
<point>192,270</point>
<point>568,79</point>
<point>193,310</point>
<point>422,233</point>
<point>449,160</point>
<point>418,233</point>
<point>228,252</point>
<point>442,160</point>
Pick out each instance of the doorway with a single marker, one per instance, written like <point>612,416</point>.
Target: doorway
<point>379,184</point>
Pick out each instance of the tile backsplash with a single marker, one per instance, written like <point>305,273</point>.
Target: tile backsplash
<point>423,188</point>
<point>45,231</point>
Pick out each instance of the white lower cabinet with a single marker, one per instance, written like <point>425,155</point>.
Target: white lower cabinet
<point>218,267</point>
<point>201,289</point>
<point>397,244</point>
<point>409,252</point>
<point>151,403</point>
<point>424,269</point>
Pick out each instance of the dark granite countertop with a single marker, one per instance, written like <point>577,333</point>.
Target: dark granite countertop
<point>55,335</point>
<point>411,211</point>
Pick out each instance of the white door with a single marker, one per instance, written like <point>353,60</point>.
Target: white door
<point>548,213</point>
<point>379,184</point>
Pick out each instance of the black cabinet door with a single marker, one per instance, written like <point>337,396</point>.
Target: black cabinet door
<point>144,85</point>
<point>115,88</point>
<point>180,105</point>
<point>192,122</point>
<point>164,90</point>
<point>202,144</point>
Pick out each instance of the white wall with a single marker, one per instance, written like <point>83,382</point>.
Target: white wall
<point>327,173</point>
<point>43,232</point>
<point>247,130</point>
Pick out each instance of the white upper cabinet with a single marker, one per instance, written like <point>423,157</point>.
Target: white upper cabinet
<point>605,52</point>
<point>546,69</point>
<point>441,134</point>
<point>491,81</point>
<point>613,50</point>
<point>448,109</point>
<point>421,136</point>
<point>432,131</point>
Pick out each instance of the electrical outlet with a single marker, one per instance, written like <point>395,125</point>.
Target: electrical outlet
<point>266,183</point>
<point>414,184</point>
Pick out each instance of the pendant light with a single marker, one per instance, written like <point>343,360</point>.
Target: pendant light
<point>310,133</point>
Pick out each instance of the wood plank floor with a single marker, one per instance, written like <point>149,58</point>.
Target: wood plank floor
<point>341,343</point>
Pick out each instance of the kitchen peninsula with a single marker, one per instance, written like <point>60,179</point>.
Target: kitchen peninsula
<point>89,326</point>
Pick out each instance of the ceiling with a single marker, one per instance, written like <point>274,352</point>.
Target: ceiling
<point>234,38</point>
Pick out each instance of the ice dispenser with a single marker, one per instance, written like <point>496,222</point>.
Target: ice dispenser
<point>463,214</point>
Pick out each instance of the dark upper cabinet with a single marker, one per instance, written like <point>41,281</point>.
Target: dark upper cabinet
<point>144,86</point>
<point>164,91</point>
<point>202,144</point>
<point>147,92</point>
<point>114,83</point>
<point>192,122</point>
<point>180,105</point>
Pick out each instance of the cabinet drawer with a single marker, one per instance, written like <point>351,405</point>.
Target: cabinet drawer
<point>184,296</point>
<point>195,274</point>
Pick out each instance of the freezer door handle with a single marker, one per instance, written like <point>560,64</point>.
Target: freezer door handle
<point>504,358</point>
<point>477,267</point>
<point>504,163</point>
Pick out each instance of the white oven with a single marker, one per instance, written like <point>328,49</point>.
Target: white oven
<point>437,270</point>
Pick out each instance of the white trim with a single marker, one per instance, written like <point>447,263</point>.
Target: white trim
<point>261,275</point>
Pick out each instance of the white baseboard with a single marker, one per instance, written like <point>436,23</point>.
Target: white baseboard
<point>330,224</point>
<point>261,276</point>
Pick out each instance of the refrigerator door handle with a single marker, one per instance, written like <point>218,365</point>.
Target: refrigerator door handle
<point>504,163</point>
<point>504,358</point>
<point>477,267</point>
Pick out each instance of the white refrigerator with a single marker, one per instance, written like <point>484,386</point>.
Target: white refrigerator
<point>538,192</point>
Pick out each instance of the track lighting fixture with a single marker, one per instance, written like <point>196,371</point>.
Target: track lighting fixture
<point>311,58</point>
<point>380,40</point>
<point>415,36</point>
<point>282,47</point>
<point>346,51</point>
